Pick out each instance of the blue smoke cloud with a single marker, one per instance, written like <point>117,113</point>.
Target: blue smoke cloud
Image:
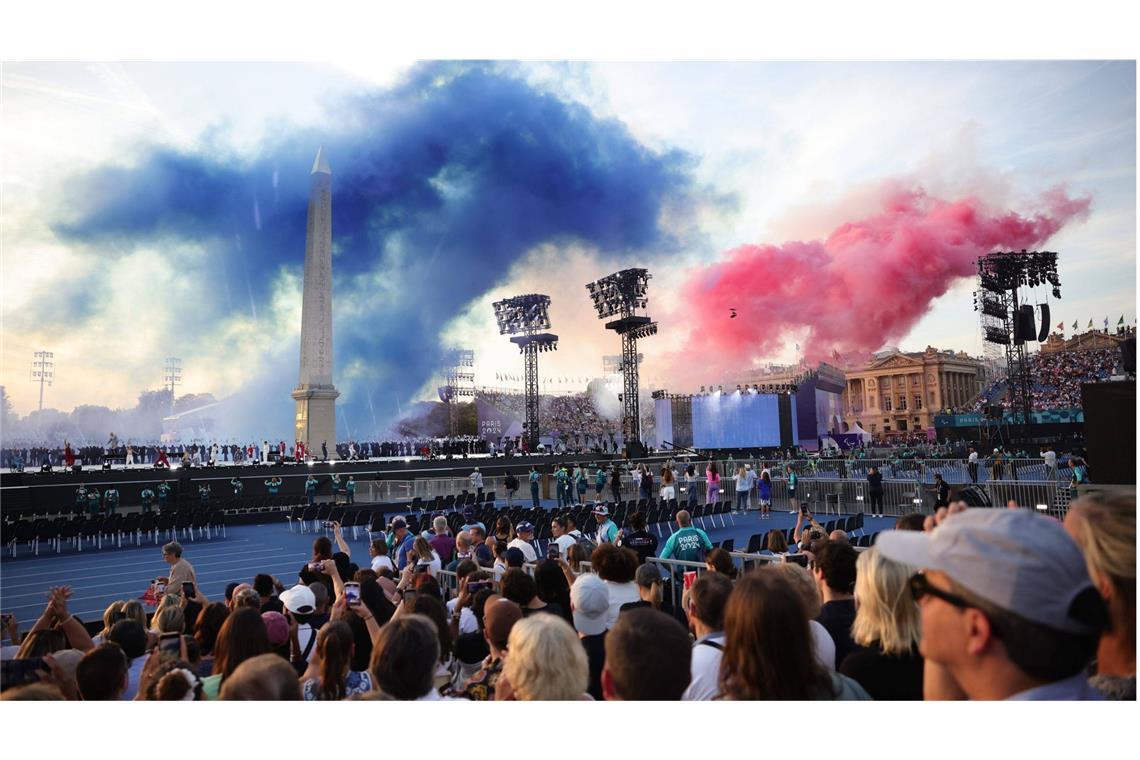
<point>440,184</point>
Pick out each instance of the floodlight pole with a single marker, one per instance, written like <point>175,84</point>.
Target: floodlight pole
<point>530,393</point>
<point>631,383</point>
<point>43,371</point>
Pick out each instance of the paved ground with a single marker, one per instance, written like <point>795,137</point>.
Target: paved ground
<point>98,577</point>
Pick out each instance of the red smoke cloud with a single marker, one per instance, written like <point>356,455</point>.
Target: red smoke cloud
<point>864,286</point>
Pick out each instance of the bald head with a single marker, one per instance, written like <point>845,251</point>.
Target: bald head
<point>684,519</point>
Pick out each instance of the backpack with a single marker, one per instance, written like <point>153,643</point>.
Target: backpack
<point>587,544</point>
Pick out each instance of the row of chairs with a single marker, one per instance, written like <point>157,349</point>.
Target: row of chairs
<point>114,529</point>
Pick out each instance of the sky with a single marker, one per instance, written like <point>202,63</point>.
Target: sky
<point>158,209</point>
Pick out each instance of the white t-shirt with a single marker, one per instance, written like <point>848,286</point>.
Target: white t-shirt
<point>705,669</point>
<point>973,458</point>
<point>565,541</point>
<point>381,561</point>
<point>434,564</point>
<point>525,547</point>
<point>823,645</point>
<point>620,593</point>
<point>467,621</point>
<point>1050,458</point>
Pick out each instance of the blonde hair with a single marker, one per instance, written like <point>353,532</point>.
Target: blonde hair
<point>1104,528</point>
<point>547,661</point>
<point>111,615</point>
<point>423,549</point>
<point>885,611</point>
<point>133,610</point>
<point>804,585</point>
<point>169,619</point>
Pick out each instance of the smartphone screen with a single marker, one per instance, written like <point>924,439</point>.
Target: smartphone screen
<point>409,596</point>
<point>476,586</point>
<point>552,551</point>
<point>188,589</point>
<point>690,577</point>
<point>170,642</point>
<point>799,559</point>
<point>352,593</point>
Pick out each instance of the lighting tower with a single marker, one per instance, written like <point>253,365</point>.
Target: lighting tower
<point>460,382</point>
<point>624,294</point>
<point>43,371</point>
<point>524,317</point>
<point>171,377</point>
<point>1007,314</point>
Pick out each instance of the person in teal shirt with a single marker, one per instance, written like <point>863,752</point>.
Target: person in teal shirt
<point>238,487</point>
<point>93,497</point>
<point>204,494</point>
<point>607,531</point>
<point>350,491</point>
<point>688,544</point>
<point>110,500</point>
<point>81,496</point>
<point>311,490</point>
<point>559,485</point>
<point>581,483</point>
<point>272,485</point>
<point>147,499</point>
<point>163,493</point>
<point>534,476</point>
<point>599,483</point>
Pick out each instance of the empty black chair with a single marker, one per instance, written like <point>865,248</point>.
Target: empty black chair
<point>130,526</point>
<point>110,530</point>
<point>24,532</point>
<point>200,522</point>
<point>182,522</point>
<point>68,531</point>
<point>728,544</point>
<point>755,543</point>
<point>146,524</point>
<point>217,521</point>
<point>163,525</point>
<point>308,515</point>
<point>47,531</point>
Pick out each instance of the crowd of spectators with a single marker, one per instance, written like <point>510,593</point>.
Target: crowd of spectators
<point>962,604</point>
<point>1057,378</point>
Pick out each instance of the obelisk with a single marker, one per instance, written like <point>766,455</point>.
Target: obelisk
<point>315,394</point>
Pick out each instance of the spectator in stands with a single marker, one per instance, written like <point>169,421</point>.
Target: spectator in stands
<point>835,575</point>
<point>553,587</point>
<point>241,637</point>
<point>524,541</point>
<point>1008,609</point>
<point>545,662</point>
<point>424,557</point>
<point>181,571</point>
<point>132,639</point>
<point>707,600</point>
<point>687,543</point>
<point>886,631</point>
<point>768,646</point>
<point>875,490</point>
<point>775,543</point>
<point>206,629</point>
<point>1105,530</point>
<point>691,485</point>
<point>719,561</point>
<point>499,617</point>
<point>561,537</point>
<point>378,556</point>
<point>246,597</point>
<point>267,587</point>
<point>102,674</point>
<point>483,553</point>
<point>575,556</point>
<point>111,615</point>
<point>590,604</point>
<point>262,678</point>
<point>912,521</point>
<point>712,484</point>
<point>427,602</point>
<point>804,584</point>
<point>405,657</point>
<point>618,568</point>
<point>332,679</point>
<point>648,657</point>
<point>521,589</point>
<point>651,587</point>
<point>442,542</point>
<point>640,540</point>
<point>404,542</point>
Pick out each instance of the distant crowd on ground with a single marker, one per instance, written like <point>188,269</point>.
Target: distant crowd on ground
<point>1057,378</point>
<point>961,604</point>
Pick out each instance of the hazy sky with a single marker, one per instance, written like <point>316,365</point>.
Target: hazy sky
<point>158,209</point>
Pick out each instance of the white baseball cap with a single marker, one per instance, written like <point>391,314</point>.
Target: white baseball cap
<point>590,600</point>
<point>1019,561</point>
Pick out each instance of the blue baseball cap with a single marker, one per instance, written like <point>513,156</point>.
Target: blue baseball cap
<point>524,527</point>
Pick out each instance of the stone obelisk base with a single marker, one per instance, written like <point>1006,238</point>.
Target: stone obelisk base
<point>316,418</point>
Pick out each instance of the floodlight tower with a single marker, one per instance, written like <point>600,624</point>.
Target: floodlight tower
<point>624,294</point>
<point>43,371</point>
<point>460,383</point>
<point>171,377</point>
<point>524,317</point>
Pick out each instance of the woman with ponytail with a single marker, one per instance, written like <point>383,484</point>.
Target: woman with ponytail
<point>333,657</point>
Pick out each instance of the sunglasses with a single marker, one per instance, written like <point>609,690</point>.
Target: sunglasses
<point>920,586</point>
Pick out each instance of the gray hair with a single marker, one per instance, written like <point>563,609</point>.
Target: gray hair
<point>173,547</point>
<point>440,525</point>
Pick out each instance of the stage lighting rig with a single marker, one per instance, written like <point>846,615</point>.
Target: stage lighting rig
<point>623,294</point>
<point>525,317</point>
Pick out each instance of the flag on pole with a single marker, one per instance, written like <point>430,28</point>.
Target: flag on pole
<point>835,354</point>
<point>797,346</point>
<point>1074,324</point>
<point>1121,321</point>
<point>1090,324</point>
<point>1061,327</point>
<point>1106,324</point>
